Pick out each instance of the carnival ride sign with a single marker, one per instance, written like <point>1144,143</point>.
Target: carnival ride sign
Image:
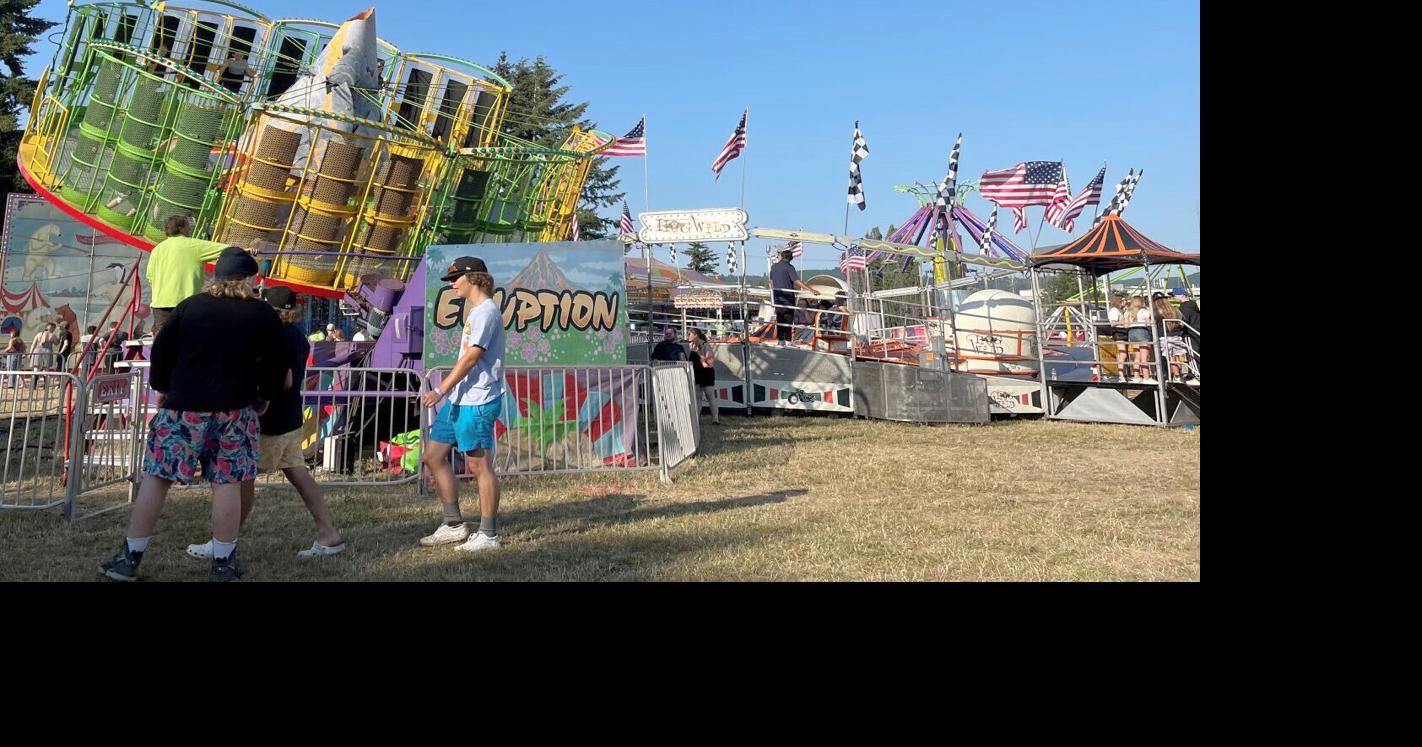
<point>112,389</point>
<point>684,226</point>
<point>563,303</point>
<point>697,299</point>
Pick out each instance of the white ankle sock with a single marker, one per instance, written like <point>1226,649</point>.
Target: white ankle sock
<point>138,544</point>
<point>222,550</point>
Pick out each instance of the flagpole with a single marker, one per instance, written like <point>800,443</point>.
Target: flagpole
<point>1106,279</point>
<point>651,325</point>
<point>744,158</point>
<point>646,179</point>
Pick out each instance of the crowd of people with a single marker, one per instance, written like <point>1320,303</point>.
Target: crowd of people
<point>228,364</point>
<point>1177,328</point>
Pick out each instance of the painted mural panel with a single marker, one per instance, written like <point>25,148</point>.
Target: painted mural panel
<point>55,268</point>
<point>564,303</point>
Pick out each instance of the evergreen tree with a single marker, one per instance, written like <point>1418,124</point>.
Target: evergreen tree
<point>538,114</point>
<point>18,30</point>
<point>891,230</point>
<point>699,257</point>
<point>874,234</point>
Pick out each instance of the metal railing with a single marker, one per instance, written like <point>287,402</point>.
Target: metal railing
<point>108,432</point>
<point>354,421</point>
<point>37,437</point>
<point>571,419</point>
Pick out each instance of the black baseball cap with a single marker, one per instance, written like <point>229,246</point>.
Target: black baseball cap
<point>281,297</point>
<point>234,264</point>
<point>462,265</point>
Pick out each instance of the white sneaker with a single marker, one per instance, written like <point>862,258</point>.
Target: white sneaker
<point>318,550</point>
<point>201,552</point>
<point>480,541</point>
<point>445,535</point>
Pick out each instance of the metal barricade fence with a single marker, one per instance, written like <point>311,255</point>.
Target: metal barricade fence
<point>570,419</point>
<point>678,414</point>
<point>108,435</point>
<point>33,409</point>
<point>359,426</point>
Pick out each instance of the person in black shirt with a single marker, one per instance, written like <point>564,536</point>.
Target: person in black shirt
<point>117,339</point>
<point>1190,314</point>
<point>668,349</point>
<point>280,444</point>
<point>783,281</point>
<point>216,363</point>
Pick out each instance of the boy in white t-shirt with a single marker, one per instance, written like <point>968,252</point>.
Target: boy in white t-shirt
<point>475,390</point>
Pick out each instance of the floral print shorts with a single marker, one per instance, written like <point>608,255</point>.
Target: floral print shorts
<point>220,447</point>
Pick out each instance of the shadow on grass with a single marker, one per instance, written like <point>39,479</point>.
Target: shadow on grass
<point>647,554</point>
<point>582,515</point>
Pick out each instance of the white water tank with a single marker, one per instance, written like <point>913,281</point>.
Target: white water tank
<point>996,333</point>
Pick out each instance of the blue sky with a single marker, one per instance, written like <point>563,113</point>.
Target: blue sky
<point>1106,81</point>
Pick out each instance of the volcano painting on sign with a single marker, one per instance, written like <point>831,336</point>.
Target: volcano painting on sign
<point>564,303</point>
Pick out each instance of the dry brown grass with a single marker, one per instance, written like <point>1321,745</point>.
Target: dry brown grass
<point>769,499</point>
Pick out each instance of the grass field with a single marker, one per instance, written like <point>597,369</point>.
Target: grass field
<point>769,498</point>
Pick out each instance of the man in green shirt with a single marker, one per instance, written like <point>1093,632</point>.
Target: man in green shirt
<point>175,267</point>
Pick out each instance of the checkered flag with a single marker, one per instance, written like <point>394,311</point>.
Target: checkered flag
<point>985,246</point>
<point>1116,199</point>
<point>856,181</point>
<point>948,186</point>
<point>1130,190</point>
<point>671,249</point>
<point>730,258</point>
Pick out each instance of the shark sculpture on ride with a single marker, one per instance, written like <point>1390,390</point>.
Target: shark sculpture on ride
<point>343,80</point>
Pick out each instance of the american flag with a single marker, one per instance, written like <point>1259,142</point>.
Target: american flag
<point>624,227</point>
<point>856,181</point>
<point>1028,183</point>
<point>1115,199</point>
<point>796,249</point>
<point>853,259</point>
<point>634,143</point>
<point>733,147</point>
<point>730,258</point>
<point>1066,220</point>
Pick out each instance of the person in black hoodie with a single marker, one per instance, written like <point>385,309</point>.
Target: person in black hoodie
<point>280,444</point>
<point>216,363</point>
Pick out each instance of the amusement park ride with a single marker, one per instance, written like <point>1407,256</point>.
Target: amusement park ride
<point>332,152</point>
<point>339,158</point>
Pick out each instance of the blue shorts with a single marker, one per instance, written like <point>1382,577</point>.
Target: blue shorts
<point>468,427</point>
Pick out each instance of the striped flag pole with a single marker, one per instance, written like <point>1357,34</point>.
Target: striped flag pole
<point>1130,190</point>
<point>985,246</point>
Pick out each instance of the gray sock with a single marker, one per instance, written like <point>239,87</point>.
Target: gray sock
<point>452,516</point>
<point>489,525</point>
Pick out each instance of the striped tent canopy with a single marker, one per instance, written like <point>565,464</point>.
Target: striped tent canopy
<point>663,274</point>
<point>1112,245</point>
